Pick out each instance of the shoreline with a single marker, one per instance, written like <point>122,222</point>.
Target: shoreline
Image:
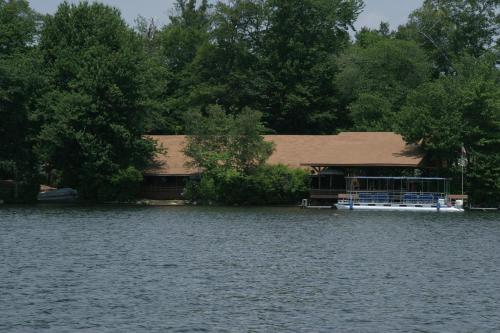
<point>182,203</point>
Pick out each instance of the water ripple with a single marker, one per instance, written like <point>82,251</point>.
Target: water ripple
<point>130,269</point>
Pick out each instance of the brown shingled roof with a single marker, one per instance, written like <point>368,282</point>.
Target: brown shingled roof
<point>346,149</point>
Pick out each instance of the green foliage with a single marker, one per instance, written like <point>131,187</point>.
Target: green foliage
<point>266,185</point>
<point>278,184</point>
<point>372,112</point>
<point>185,33</point>
<point>377,74</point>
<point>232,154</point>
<point>368,37</point>
<point>18,26</point>
<point>299,65</point>
<point>484,178</point>
<point>461,110</point>
<point>23,191</point>
<point>91,114</point>
<point>19,81</point>
<point>178,44</point>
<point>124,186</point>
<point>277,56</point>
<point>156,78</point>
<point>226,142</point>
<point>450,29</point>
<point>432,114</point>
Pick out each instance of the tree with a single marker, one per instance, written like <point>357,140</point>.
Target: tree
<point>228,149</point>
<point>19,83</point>
<point>92,113</point>
<point>377,73</point>
<point>461,111</point>
<point>372,112</point>
<point>226,142</point>
<point>450,29</point>
<point>157,79</point>
<point>185,33</point>
<point>225,68</point>
<point>232,153</point>
<point>274,56</point>
<point>303,40</point>
<point>178,45</point>
<point>276,184</point>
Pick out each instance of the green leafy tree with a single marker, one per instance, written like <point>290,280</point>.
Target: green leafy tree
<point>226,142</point>
<point>300,47</point>
<point>274,56</point>
<point>450,29</point>
<point>19,83</point>
<point>458,111</point>
<point>372,112</point>
<point>226,148</point>
<point>277,184</point>
<point>225,69</point>
<point>265,185</point>
<point>92,113</point>
<point>157,79</point>
<point>232,154</point>
<point>179,43</point>
<point>367,37</point>
<point>377,74</point>
<point>186,32</point>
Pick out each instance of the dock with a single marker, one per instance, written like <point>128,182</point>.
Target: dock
<point>480,209</point>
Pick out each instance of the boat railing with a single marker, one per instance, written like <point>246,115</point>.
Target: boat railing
<point>383,197</point>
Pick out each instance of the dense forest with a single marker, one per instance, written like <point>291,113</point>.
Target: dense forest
<point>80,88</point>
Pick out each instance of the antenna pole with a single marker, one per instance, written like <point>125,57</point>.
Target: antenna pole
<point>462,178</point>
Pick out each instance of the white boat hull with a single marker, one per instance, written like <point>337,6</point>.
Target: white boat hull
<point>407,208</point>
<point>60,195</point>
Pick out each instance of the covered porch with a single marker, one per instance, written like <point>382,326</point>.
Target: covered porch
<point>167,187</point>
<point>326,182</point>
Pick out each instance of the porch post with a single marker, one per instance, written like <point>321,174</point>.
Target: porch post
<point>319,178</point>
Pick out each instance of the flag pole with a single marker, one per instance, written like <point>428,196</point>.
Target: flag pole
<point>463,162</point>
<point>462,179</point>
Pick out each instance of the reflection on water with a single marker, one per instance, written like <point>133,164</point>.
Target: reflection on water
<point>117,269</point>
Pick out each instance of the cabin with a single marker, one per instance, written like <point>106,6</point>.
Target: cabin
<point>330,159</point>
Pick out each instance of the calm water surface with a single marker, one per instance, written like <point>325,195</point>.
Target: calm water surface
<point>130,269</point>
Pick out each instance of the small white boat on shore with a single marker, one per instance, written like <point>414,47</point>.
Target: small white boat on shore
<point>58,195</point>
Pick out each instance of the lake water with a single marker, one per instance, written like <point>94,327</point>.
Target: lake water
<point>143,269</point>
